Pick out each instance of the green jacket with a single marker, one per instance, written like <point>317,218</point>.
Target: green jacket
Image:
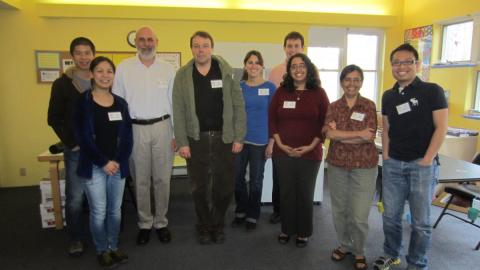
<point>185,119</point>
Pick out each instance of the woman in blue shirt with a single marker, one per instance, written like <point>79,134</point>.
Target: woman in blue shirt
<point>257,94</point>
<point>104,132</point>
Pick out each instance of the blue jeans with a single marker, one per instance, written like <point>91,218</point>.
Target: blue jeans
<point>105,195</point>
<point>408,181</point>
<point>248,198</point>
<point>74,193</point>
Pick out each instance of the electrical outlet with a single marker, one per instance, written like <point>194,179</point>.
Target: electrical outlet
<point>23,171</point>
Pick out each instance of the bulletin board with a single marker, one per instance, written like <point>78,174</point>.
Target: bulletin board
<point>421,39</point>
<point>50,65</point>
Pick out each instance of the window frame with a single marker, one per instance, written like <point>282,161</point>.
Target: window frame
<point>444,41</point>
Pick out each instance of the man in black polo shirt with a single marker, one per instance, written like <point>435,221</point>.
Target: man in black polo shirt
<point>210,125</point>
<point>415,117</point>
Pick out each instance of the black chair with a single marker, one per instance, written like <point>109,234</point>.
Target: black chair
<point>464,191</point>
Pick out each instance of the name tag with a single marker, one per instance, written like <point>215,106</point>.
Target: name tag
<point>289,104</point>
<point>263,92</point>
<point>114,116</point>
<point>403,108</point>
<point>357,116</point>
<point>216,83</point>
<point>162,84</point>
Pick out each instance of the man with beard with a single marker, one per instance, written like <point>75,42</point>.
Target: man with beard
<point>145,82</point>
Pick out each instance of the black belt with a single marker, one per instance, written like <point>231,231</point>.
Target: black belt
<point>211,133</point>
<point>150,121</point>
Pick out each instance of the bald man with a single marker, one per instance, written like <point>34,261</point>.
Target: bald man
<point>146,82</point>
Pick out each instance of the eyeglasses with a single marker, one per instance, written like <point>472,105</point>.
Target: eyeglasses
<point>354,80</point>
<point>405,63</point>
<point>300,66</point>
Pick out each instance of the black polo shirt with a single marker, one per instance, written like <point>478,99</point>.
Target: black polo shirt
<point>410,118</point>
<point>209,97</point>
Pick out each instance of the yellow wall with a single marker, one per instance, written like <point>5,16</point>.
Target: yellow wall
<point>459,80</point>
<point>24,103</point>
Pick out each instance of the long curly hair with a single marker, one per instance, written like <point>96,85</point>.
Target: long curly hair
<point>313,79</point>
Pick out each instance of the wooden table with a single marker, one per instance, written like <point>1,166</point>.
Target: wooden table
<point>54,162</point>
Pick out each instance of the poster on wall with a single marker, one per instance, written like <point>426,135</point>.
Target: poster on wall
<point>421,39</point>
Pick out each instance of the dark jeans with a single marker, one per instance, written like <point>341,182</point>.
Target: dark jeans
<point>74,197</point>
<point>297,185</point>
<point>248,198</point>
<point>211,170</point>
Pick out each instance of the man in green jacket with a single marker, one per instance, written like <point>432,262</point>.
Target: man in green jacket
<point>209,123</point>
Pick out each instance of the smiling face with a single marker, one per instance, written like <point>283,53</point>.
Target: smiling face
<point>404,67</point>
<point>352,83</point>
<point>293,46</point>
<point>253,67</point>
<point>202,50</point>
<point>298,71</point>
<point>146,42</point>
<point>103,75</point>
<point>82,56</point>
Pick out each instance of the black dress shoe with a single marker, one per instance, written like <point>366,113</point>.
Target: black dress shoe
<point>164,235</point>
<point>143,236</point>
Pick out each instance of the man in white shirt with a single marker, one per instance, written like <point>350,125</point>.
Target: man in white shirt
<point>292,44</point>
<point>146,82</point>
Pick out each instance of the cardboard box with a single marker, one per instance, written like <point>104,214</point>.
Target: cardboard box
<point>47,215</point>
<point>46,191</point>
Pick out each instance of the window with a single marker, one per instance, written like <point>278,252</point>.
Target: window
<point>333,48</point>
<point>477,93</point>
<point>457,42</point>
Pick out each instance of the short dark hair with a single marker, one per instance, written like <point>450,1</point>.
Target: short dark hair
<point>293,35</point>
<point>349,69</point>
<point>202,34</point>
<point>313,79</point>
<point>81,41</point>
<point>405,47</point>
<point>249,54</point>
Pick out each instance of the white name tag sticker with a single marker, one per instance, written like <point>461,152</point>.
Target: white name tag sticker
<point>289,104</point>
<point>263,91</point>
<point>216,83</point>
<point>403,108</point>
<point>357,116</point>
<point>162,84</point>
<point>114,116</point>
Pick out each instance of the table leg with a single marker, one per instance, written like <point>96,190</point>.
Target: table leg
<point>57,204</point>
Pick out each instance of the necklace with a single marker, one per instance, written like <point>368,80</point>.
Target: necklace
<point>299,93</point>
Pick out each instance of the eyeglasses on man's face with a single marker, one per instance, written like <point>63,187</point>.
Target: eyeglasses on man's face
<point>404,63</point>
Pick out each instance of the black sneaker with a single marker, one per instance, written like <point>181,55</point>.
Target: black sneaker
<point>118,256</point>
<point>143,236</point>
<point>250,226</point>
<point>384,263</point>
<point>105,260</point>
<point>238,221</point>
<point>75,248</point>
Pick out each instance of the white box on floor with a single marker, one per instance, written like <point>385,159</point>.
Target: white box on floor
<point>46,191</point>
<point>47,214</point>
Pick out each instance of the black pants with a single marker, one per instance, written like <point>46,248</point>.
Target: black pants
<point>297,179</point>
<point>211,171</point>
<point>275,189</point>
